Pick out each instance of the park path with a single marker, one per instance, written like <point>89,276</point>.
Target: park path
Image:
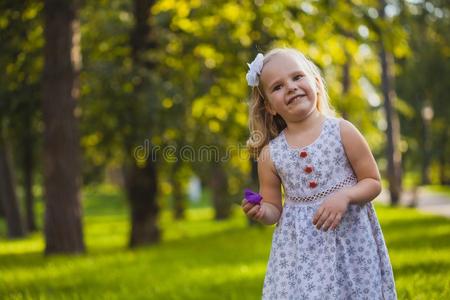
<point>430,202</point>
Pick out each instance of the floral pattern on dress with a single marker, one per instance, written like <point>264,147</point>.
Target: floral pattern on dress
<point>350,262</point>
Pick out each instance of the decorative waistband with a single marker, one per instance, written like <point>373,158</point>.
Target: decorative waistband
<point>349,181</point>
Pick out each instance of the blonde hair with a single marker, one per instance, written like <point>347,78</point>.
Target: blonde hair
<point>265,126</point>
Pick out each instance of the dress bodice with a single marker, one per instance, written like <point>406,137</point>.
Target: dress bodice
<point>312,172</point>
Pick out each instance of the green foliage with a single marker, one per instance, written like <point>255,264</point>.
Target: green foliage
<point>107,91</point>
<point>195,92</point>
<point>201,53</point>
<point>423,81</point>
<point>21,62</point>
<point>200,258</point>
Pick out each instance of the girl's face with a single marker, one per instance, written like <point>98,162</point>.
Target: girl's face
<point>290,91</point>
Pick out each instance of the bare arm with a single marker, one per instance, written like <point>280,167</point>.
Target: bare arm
<point>363,164</point>
<point>368,187</point>
<point>269,211</point>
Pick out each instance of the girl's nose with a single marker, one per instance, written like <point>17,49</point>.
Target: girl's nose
<point>292,86</point>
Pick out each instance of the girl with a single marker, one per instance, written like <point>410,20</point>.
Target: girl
<point>328,243</point>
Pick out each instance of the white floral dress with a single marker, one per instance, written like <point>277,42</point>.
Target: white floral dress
<point>350,262</point>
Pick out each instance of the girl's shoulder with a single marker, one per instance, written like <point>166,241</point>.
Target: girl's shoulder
<point>342,124</point>
<point>334,119</point>
<point>340,129</point>
<point>346,127</point>
<point>350,134</point>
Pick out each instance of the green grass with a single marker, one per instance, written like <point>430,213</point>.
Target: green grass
<point>200,258</point>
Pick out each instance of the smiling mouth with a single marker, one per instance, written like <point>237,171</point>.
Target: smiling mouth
<point>297,97</point>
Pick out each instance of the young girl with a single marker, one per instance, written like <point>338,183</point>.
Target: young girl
<point>328,243</point>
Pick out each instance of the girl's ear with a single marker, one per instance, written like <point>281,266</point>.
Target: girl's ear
<point>319,96</point>
<point>318,84</point>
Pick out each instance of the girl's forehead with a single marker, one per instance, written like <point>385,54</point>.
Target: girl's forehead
<point>282,64</point>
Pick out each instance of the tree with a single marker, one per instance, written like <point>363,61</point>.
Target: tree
<point>422,85</point>
<point>61,162</point>
<point>382,42</point>
<point>119,104</point>
<point>8,197</point>
<point>21,60</point>
<point>393,126</point>
<point>141,177</point>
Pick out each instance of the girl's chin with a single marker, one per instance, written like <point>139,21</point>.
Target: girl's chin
<point>298,114</point>
<point>300,107</point>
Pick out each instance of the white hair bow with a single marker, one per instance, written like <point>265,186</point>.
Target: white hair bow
<point>255,70</point>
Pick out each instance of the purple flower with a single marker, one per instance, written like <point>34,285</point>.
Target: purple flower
<point>252,197</point>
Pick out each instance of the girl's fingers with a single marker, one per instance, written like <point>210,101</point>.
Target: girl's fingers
<point>336,221</point>
<point>324,216</point>
<point>252,211</point>
<point>246,206</point>
<point>260,213</point>
<point>328,222</point>
<point>318,215</point>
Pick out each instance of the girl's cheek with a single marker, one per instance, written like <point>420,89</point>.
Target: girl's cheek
<point>279,92</point>
<point>311,83</point>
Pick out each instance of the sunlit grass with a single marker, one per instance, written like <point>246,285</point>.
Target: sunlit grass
<point>184,266</point>
<point>200,258</point>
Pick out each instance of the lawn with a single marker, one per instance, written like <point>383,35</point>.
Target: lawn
<point>200,258</point>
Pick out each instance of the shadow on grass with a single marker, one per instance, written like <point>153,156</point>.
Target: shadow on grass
<point>227,240</point>
<point>218,265</point>
<point>428,268</point>
<point>418,232</point>
<point>419,222</point>
<point>215,246</point>
<point>140,281</point>
<point>434,241</point>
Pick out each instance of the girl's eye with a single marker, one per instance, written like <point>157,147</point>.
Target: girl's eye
<point>277,87</point>
<point>299,76</point>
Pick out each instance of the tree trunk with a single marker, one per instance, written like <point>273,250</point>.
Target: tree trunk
<point>2,188</point>
<point>2,211</point>
<point>179,203</point>
<point>426,152</point>
<point>394,172</point>
<point>8,197</point>
<point>179,196</point>
<point>141,186</point>
<point>141,183</point>
<point>141,39</point>
<point>346,80</point>
<point>219,186</point>
<point>28,165</point>
<point>61,153</point>
<point>443,162</point>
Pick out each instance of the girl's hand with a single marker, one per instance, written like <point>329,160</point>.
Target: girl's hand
<point>331,211</point>
<point>253,211</point>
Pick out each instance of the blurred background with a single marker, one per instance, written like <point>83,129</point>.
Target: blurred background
<point>123,126</point>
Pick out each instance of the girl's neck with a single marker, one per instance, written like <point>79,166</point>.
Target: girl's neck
<point>311,121</point>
